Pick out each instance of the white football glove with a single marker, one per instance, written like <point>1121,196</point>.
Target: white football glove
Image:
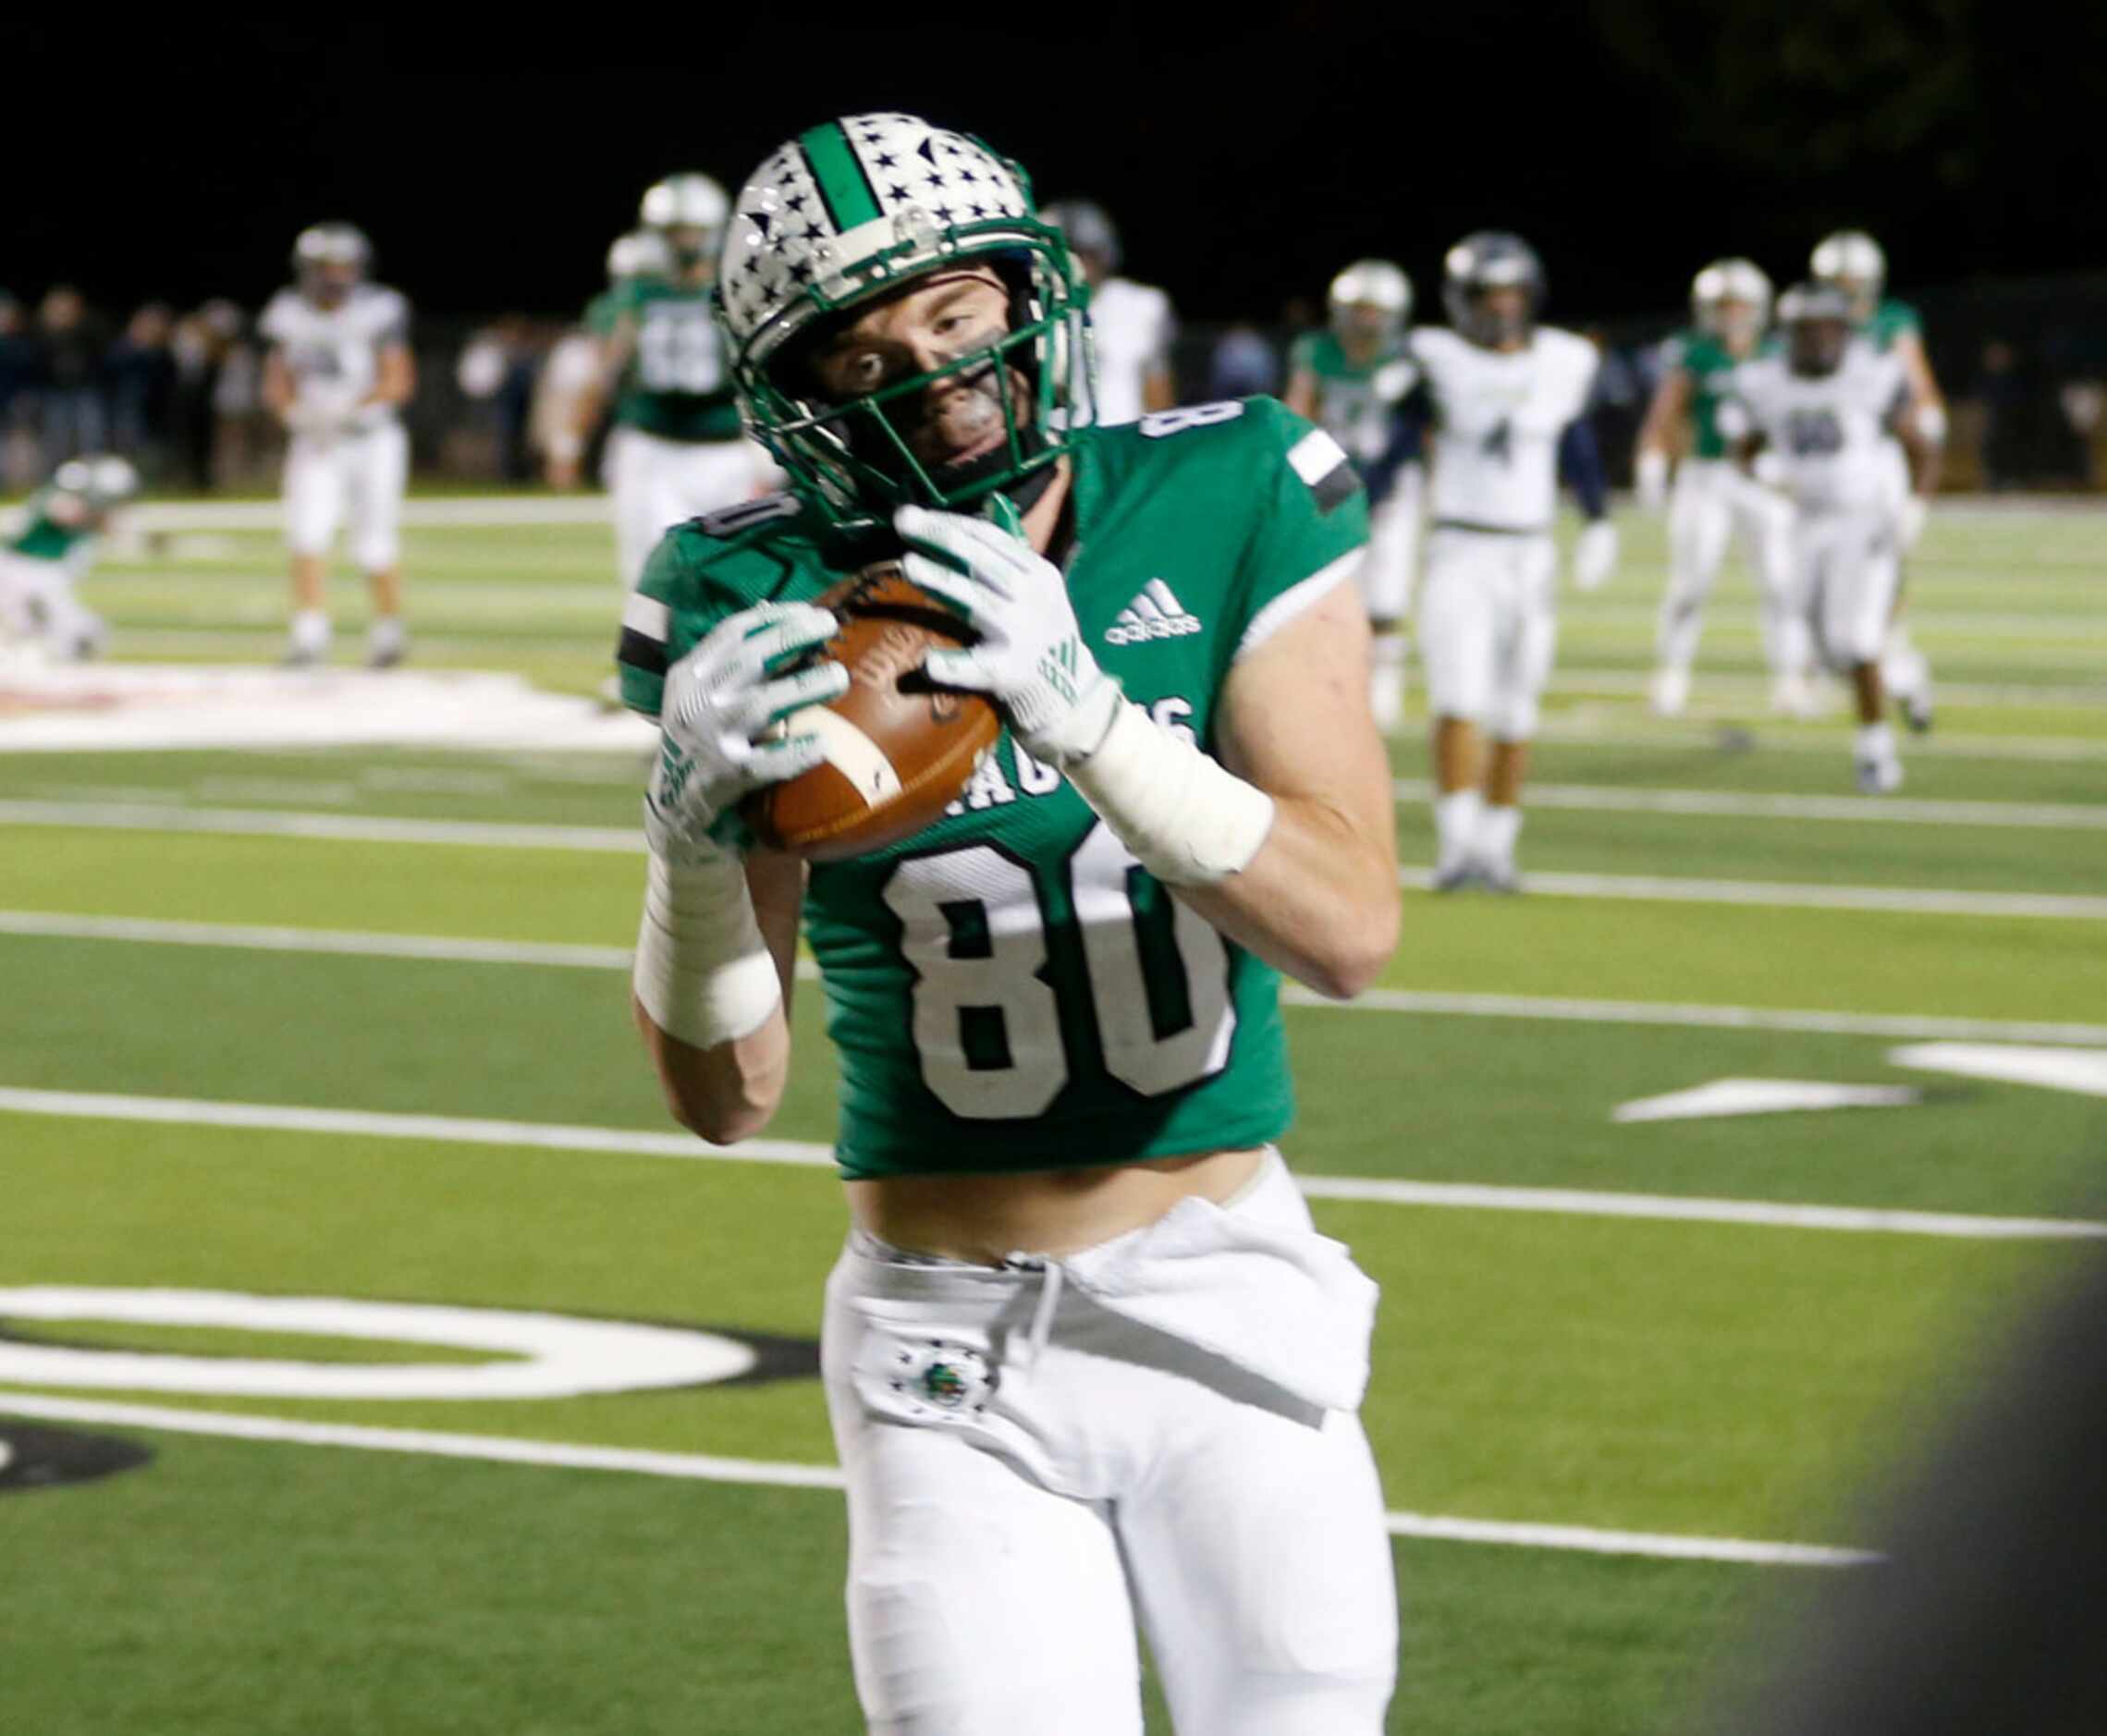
<point>1910,521</point>
<point>1595,555</point>
<point>1030,657</point>
<point>718,698</point>
<point>1649,474</point>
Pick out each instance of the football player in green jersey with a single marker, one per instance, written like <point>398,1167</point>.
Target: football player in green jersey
<point>1353,380</point>
<point>1730,307</point>
<point>1085,1357</point>
<point>51,546</point>
<point>568,401</point>
<point>676,449</point>
<point>1855,263</point>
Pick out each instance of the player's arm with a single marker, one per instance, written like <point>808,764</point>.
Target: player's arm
<point>1660,435</point>
<point>1159,390</point>
<point>717,942</point>
<point>280,388</point>
<point>1580,463</point>
<point>730,1090</point>
<point>617,349</point>
<point>1320,900</point>
<point>1906,423</point>
<point>1300,395</point>
<point>395,377</point>
<point>1926,408</point>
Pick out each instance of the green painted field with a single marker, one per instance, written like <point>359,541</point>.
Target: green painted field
<point>203,1029</point>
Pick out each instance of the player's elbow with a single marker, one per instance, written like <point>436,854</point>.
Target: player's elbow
<point>716,1122</point>
<point>1356,952</point>
<point>723,1095</point>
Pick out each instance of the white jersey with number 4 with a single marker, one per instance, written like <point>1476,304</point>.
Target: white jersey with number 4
<point>1828,431</point>
<point>1498,418</point>
<point>334,353</point>
<point>1131,328</point>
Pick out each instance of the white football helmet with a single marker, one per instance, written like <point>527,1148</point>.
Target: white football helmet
<point>688,211</point>
<point>1372,283</point>
<point>1730,280</point>
<point>1853,261</point>
<point>849,211</point>
<point>329,259</point>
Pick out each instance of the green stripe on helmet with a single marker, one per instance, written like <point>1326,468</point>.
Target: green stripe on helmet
<point>838,172</point>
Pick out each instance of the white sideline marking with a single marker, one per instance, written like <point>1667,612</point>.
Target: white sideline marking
<point>628,841</point>
<point>353,943</point>
<point>1666,739</point>
<point>1797,895</point>
<point>1762,1096</point>
<point>700,1468</point>
<point>2081,1071</point>
<point>1648,1012</point>
<point>358,943</point>
<point>1469,1196</point>
<point>1610,798</point>
<point>444,512</point>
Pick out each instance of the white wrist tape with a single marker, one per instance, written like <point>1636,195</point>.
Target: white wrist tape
<point>1651,470</point>
<point>702,971</point>
<point>1931,423</point>
<point>1188,819</point>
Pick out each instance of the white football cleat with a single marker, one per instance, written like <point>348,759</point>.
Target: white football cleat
<point>1879,777</point>
<point>1669,692</point>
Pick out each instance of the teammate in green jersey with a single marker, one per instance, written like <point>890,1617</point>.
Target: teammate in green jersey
<point>1855,263</point>
<point>1353,380</point>
<point>1085,1357</point>
<point>1714,500</point>
<point>51,547</point>
<point>676,449</point>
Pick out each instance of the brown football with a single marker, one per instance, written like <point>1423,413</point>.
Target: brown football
<point>899,750</point>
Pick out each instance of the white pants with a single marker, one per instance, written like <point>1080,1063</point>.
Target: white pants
<point>1038,1453</point>
<point>1487,628</point>
<point>1844,574</point>
<point>38,609</point>
<point>359,477</point>
<point>1713,503</point>
<point>659,484</point>
<point>1386,570</point>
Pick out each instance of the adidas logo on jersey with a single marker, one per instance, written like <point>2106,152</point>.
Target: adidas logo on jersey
<point>1155,612</point>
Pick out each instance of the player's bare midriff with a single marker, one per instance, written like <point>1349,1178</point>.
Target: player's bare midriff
<point>985,1218</point>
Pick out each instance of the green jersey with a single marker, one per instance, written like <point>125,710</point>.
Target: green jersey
<point>677,386</point>
<point>600,314</point>
<point>1009,989</point>
<point>1356,402</point>
<point>65,537</point>
<point>1710,365</point>
<point>1891,321</point>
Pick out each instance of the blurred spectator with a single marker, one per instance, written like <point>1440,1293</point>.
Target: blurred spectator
<point>243,430</point>
<point>1617,405</point>
<point>141,374</point>
<point>497,368</point>
<point>2003,395</point>
<point>1242,364</point>
<point>69,346</point>
<point>19,457</point>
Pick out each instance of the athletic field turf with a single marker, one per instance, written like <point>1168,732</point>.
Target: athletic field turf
<point>348,1024</point>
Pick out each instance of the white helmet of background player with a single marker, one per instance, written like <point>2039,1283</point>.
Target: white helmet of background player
<point>1817,318</point>
<point>856,209</point>
<point>1370,299</point>
<point>1485,262</point>
<point>688,212</point>
<point>330,259</point>
<point>102,482</point>
<point>1092,236</point>
<point>1725,285</point>
<point>639,253</point>
<point>1852,260</point>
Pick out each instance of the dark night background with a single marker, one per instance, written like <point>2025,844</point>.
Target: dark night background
<point>1631,140</point>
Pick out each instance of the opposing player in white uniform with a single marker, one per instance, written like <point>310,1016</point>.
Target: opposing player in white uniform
<point>338,372</point>
<point>1506,398</point>
<point>1131,325</point>
<point>1713,501</point>
<point>1353,380</point>
<point>1852,260</point>
<point>1826,408</point>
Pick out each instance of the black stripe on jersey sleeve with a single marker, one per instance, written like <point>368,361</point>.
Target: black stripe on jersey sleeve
<point>639,650</point>
<point>1336,486</point>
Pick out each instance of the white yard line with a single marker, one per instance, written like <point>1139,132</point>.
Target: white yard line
<point>749,1472</point>
<point>1689,737</point>
<point>548,1136</point>
<point>628,841</point>
<point>1735,804</point>
<point>368,943</point>
<point>2059,692</point>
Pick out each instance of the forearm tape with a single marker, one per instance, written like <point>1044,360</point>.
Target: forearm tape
<point>702,971</point>
<point>1188,819</point>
